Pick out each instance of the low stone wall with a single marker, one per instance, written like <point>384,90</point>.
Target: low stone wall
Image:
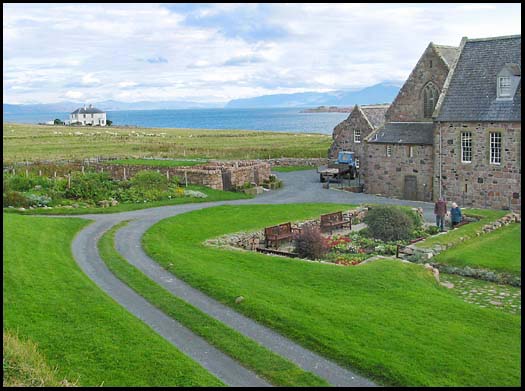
<point>209,174</point>
<point>251,240</point>
<point>286,162</point>
<point>423,255</point>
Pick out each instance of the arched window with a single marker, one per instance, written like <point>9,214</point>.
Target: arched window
<point>430,98</point>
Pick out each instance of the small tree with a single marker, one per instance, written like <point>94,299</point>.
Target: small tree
<point>310,243</point>
<point>389,223</point>
<point>58,121</point>
<point>109,122</point>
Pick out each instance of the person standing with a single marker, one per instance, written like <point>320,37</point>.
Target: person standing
<point>440,210</point>
<point>455,215</point>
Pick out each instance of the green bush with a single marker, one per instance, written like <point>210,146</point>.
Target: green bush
<point>389,223</point>
<point>147,179</point>
<point>90,186</point>
<point>16,199</point>
<point>432,230</point>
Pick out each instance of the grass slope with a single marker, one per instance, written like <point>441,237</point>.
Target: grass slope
<point>267,364</point>
<point>389,320</point>
<point>158,163</point>
<point>499,250</point>
<point>469,230</point>
<point>23,142</point>
<point>77,327</point>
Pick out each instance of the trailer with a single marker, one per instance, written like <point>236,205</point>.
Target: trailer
<point>342,168</point>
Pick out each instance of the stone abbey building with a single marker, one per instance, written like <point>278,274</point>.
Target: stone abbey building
<point>454,129</point>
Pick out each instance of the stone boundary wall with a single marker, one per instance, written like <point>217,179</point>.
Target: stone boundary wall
<point>209,174</point>
<point>286,162</point>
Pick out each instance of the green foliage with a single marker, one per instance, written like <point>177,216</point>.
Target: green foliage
<point>58,121</point>
<point>146,179</point>
<point>389,223</point>
<point>94,186</point>
<point>16,199</point>
<point>109,122</point>
<point>432,230</point>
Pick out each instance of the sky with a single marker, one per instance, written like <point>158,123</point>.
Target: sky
<point>215,52</point>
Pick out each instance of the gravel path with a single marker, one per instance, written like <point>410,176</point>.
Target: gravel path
<point>300,186</point>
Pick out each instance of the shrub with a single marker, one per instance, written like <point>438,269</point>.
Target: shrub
<point>147,179</point>
<point>432,230</point>
<point>16,199</point>
<point>389,223</point>
<point>90,186</point>
<point>311,244</point>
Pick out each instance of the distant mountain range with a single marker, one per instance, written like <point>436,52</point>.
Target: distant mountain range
<point>379,93</point>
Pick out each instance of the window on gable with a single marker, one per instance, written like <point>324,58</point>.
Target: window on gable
<point>388,150</point>
<point>495,148</point>
<point>430,98</point>
<point>466,147</point>
<point>357,135</point>
<point>410,151</point>
<point>504,86</point>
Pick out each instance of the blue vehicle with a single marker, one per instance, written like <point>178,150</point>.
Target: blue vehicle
<point>343,167</point>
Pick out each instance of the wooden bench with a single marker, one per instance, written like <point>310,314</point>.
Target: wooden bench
<point>278,233</point>
<point>334,220</point>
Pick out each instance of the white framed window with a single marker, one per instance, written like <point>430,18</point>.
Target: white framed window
<point>357,135</point>
<point>466,147</point>
<point>356,163</point>
<point>495,148</point>
<point>388,150</point>
<point>504,86</point>
<point>410,151</point>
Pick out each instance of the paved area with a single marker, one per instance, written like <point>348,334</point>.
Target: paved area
<point>300,186</point>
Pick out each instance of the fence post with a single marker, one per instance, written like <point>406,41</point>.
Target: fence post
<point>168,175</point>
<point>39,172</point>
<point>82,170</point>
<point>125,173</point>
<point>55,175</point>
<point>27,172</point>
<point>69,181</point>
<point>14,172</point>
<point>186,178</point>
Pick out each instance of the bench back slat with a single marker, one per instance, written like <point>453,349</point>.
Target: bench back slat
<point>332,217</point>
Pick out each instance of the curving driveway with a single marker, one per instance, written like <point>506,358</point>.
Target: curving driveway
<point>301,186</point>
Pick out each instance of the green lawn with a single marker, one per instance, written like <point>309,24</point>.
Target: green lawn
<point>267,364</point>
<point>77,327</point>
<point>158,162</point>
<point>23,142</point>
<point>213,195</point>
<point>388,319</point>
<point>499,250</point>
<point>293,168</point>
<point>469,230</point>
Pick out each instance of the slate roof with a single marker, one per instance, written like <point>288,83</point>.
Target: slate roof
<point>375,114</point>
<point>421,133</point>
<point>87,110</point>
<point>471,94</point>
<point>449,53</point>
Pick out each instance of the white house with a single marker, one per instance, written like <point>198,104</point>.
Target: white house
<point>88,116</point>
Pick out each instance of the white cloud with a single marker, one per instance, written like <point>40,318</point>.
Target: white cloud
<point>74,95</point>
<point>48,55</point>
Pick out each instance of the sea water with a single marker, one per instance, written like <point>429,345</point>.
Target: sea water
<point>275,119</point>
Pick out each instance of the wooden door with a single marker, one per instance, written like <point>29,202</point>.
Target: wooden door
<point>410,189</point>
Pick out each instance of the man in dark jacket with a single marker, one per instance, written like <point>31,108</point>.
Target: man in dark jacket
<point>440,210</point>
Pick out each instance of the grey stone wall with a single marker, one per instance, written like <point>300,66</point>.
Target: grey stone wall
<point>386,175</point>
<point>408,105</point>
<point>479,184</point>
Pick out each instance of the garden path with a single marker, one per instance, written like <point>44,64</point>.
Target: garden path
<point>300,186</point>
